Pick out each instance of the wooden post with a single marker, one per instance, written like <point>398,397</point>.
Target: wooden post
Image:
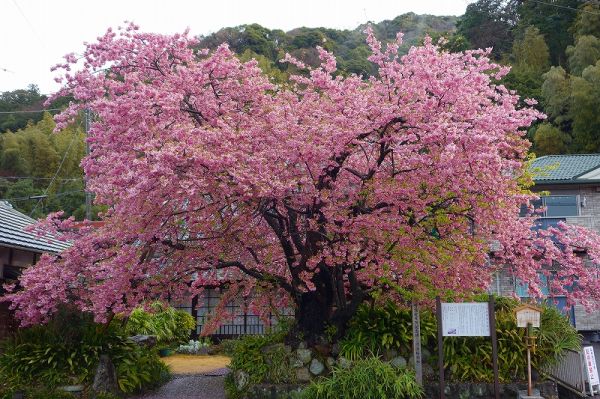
<point>529,383</point>
<point>416,324</point>
<point>492,315</point>
<point>438,311</point>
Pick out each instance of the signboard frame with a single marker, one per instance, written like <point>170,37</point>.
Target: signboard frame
<point>491,333</point>
<point>591,369</point>
<point>467,319</point>
<point>528,314</point>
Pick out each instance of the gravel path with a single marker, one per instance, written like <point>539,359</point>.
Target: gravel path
<point>190,387</point>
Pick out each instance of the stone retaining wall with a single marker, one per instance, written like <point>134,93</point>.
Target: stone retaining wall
<point>453,391</point>
<point>485,391</point>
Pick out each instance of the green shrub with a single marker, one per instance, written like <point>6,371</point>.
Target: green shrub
<point>42,393</point>
<point>169,325</point>
<point>379,327</point>
<point>470,358</point>
<point>368,378</point>
<point>140,369</point>
<point>66,351</point>
<point>263,357</point>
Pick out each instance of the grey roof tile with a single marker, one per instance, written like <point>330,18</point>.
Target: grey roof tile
<point>13,233</point>
<point>563,167</point>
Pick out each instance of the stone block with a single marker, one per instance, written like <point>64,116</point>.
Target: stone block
<point>330,362</point>
<point>398,362</point>
<point>303,375</point>
<point>316,367</point>
<point>304,355</point>
<point>148,341</point>
<point>295,362</point>
<point>344,363</point>
<point>389,354</point>
<point>105,379</point>
<point>534,395</point>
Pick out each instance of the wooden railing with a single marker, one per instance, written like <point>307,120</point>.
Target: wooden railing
<point>570,372</point>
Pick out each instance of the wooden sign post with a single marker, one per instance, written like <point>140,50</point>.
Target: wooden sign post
<point>440,338</point>
<point>492,313</point>
<point>416,324</point>
<point>528,316</point>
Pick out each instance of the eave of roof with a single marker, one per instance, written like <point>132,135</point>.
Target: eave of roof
<point>566,169</point>
<point>13,233</point>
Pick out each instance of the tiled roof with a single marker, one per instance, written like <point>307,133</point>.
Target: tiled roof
<point>564,168</point>
<point>13,234</point>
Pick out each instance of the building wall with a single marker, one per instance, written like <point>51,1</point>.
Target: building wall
<point>10,257</point>
<point>589,203</point>
<point>585,321</point>
<point>589,217</point>
<point>590,212</point>
<point>8,323</point>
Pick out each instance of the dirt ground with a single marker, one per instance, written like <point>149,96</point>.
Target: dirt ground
<point>193,364</point>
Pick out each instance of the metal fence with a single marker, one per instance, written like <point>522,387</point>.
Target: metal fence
<point>570,372</point>
<point>240,322</point>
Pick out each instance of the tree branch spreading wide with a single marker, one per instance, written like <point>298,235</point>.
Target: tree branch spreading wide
<point>319,191</point>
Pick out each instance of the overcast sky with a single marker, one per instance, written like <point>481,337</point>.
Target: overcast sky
<point>35,34</point>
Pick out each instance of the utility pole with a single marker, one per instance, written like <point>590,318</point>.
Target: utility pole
<point>88,194</point>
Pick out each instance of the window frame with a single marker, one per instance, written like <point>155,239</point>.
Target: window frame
<point>544,214</point>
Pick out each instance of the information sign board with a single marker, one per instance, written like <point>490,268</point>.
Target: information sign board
<point>590,365</point>
<point>528,314</point>
<point>469,319</point>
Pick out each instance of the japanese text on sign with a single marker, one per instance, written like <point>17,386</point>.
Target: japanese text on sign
<point>465,319</point>
<point>590,365</point>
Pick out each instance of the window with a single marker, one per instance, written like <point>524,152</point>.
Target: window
<point>555,206</point>
<point>12,272</point>
<point>545,223</point>
<point>522,287</point>
<point>559,302</point>
<point>561,205</point>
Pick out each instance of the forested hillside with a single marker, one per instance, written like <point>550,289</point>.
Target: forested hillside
<point>554,50</point>
<point>553,47</point>
<point>270,46</point>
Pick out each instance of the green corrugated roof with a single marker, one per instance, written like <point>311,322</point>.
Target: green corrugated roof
<point>564,168</point>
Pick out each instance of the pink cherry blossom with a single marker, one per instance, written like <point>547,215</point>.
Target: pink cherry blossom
<point>312,194</point>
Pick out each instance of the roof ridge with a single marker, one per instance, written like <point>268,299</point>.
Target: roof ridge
<point>569,155</point>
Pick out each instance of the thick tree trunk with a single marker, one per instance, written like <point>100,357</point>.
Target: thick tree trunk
<point>312,316</point>
<point>316,310</point>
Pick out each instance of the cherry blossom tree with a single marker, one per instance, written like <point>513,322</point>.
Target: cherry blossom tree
<point>314,194</point>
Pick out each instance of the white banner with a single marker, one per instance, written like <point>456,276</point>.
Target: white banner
<point>470,319</point>
<point>590,365</point>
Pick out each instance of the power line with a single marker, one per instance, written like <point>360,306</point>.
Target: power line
<point>566,7</point>
<point>27,20</point>
<point>40,196</point>
<point>41,178</point>
<point>32,111</point>
<point>62,161</point>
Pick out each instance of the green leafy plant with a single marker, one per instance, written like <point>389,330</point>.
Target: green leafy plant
<point>37,392</point>
<point>262,357</point>
<point>140,369</point>
<point>368,378</point>
<point>470,358</point>
<point>378,327</point>
<point>169,325</point>
<point>66,351</point>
